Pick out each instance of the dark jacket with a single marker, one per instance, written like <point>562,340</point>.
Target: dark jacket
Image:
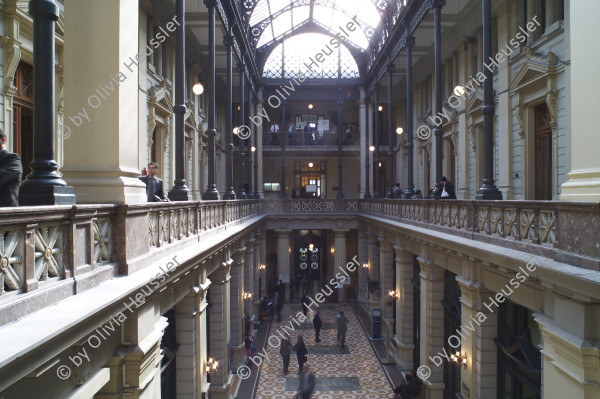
<point>317,321</point>
<point>342,324</point>
<point>305,388</point>
<point>10,178</point>
<point>300,350</point>
<point>450,190</point>
<point>397,193</point>
<point>158,188</point>
<point>285,347</point>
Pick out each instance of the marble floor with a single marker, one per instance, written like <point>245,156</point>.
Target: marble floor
<point>350,373</point>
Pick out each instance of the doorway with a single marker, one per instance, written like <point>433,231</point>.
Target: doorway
<point>543,153</point>
<point>310,179</point>
<point>23,115</point>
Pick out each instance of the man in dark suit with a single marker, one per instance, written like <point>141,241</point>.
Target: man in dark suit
<point>154,185</point>
<point>10,175</point>
<point>447,189</point>
<point>397,192</point>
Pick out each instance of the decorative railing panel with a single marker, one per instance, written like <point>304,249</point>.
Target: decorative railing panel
<point>307,206</point>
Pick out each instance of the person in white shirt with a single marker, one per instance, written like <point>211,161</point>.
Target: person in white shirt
<point>274,127</point>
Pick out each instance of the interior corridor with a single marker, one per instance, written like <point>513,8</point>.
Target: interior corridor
<point>350,373</point>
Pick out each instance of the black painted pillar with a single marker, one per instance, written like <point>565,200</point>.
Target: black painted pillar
<point>242,121</point>
<point>376,193</point>
<point>43,185</point>
<point>410,186</point>
<point>390,167</point>
<point>367,165</point>
<point>283,137</point>
<point>339,102</point>
<point>180,192</point>
<point>230,193</point>
<point>249,193</point>
<point>438,131</point>
<point>211,191</point>
<point>255,102</point>
<point>488,190</point>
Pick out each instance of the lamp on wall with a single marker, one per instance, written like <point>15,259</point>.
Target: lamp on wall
<point>311,247</point>
<point>262,267</point>
<point>459,90</point>
<point>365,265</point>
<point>210,366</point>
<point>310,106</point>
<point>253,148</point>
<point>372,148</point>
<point>198,88</point>
<point>235,130</point>
<point>459,358</point>
<point>310,164</point>
<point>247,296</point>
<point>399,130</point>
<point>332,250</point>
<point>394,294</point>
<point>380,108</point>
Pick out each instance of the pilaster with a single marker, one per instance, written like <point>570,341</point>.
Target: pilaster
<point>283,258</point>
<point>404,307</point>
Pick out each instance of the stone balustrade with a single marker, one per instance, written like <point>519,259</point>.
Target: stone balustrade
<point>64,250</point>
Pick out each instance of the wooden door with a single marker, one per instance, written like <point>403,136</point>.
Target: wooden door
<point>23,115</point>
<point>543,153</point>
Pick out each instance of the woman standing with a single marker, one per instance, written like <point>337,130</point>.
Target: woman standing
<point>301,352</point>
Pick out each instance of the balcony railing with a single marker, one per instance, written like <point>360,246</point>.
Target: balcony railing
<point>311,139</point>
<point>67,249</point>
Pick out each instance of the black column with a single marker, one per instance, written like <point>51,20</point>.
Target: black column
<point>180,192</point>
<point>376,193</point>
<point>438,131</point>
<point>230,193</point>
<point>242,121</point>
<point>367,165</point>
<point>43,185</point>
<point>390,167</point>
<point>488,190</point>
<point>255,98</point>
<point>211,191</point>
<point>339,102</point>
<point>410,188</point>
<point>249,193</point>
<point>283,137</point>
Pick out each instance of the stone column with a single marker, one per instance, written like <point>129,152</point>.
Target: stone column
<point>236,301</point>
<point>339,257</point>
<point>373,268</point>
<point>283,258</point>
<point>480,375</point>
<point>432,324</point>
<point>404,307</point>
<point>363,273</point>
<point>190,321</point>
<point>101,153</point>
<point>255,287</point>
<point>143,331</point>
<point>582,78</point>
<point>218,297</point>
<point>249,267</point>
<point>263,259</point>
<point>386,276</point>
<point>370,154</point>
<point>364,144</point>
<point>259,145</point>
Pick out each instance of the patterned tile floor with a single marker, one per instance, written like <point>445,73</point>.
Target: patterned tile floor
<point>335,372</point>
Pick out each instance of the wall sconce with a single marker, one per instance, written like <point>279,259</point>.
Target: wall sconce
<point>310,106</point>
<point>238,107</point>
<point>394,294</point>
<point>380,164</point>
<point>253,148</point>
<point>372,148</point>
<point>235,130</point>
<point>198,89</point>
<point>262,267</point>
<point>399,130</point>
<point>365,265</point>
<point>380,108</point>
<point>332,250</point>
<point>459,359</point>
<point>311,247</point>
<point>210,366</point>
<point>459,90</point>
<point>247,296</point>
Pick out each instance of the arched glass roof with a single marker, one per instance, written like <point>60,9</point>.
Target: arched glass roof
<point>272,19</point>
<point>288,58</point>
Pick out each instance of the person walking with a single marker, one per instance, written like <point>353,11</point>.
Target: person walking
<point>304,302</point>
<point>317,323</point>
<point>342,327</point>
<point>284,351</point>
<point>278,305</point>
<point>301,352</point>
<point>306,384</point>
<point>11,171</point>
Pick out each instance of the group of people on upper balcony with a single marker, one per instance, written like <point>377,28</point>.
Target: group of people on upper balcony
<point>442,190</point>
<point>308,135</point>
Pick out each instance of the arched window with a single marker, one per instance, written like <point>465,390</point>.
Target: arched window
<point>291,57</point>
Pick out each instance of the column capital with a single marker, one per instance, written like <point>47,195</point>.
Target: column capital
<point>340,231</point>
<point>283,233</point>
<point>430,270</point>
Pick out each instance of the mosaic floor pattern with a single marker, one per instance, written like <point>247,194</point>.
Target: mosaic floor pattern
<point>336,373</point>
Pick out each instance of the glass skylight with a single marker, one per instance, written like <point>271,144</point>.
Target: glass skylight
<point>272,19</point>
<point>296,51</point>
